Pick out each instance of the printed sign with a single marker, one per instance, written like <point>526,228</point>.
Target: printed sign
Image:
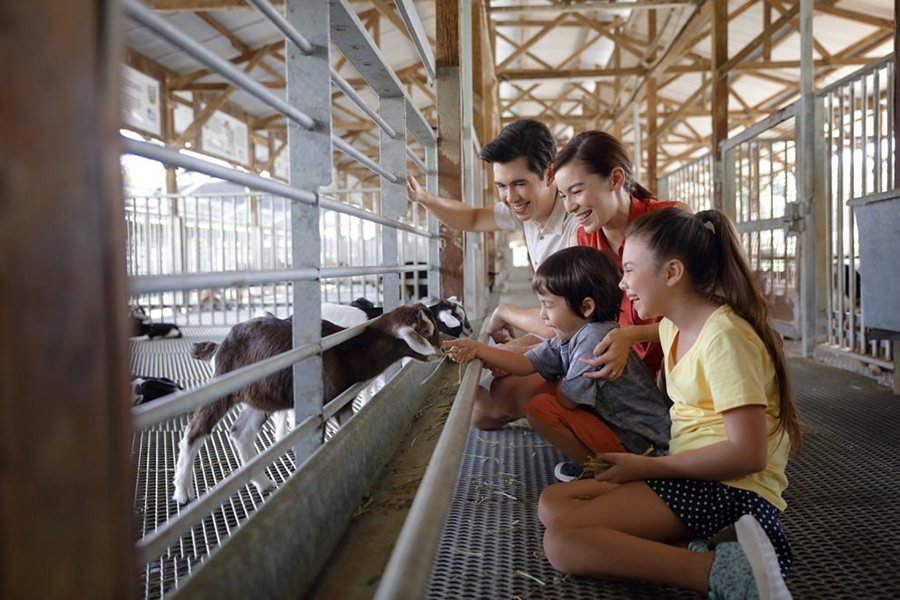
<point>140,101</point>
<point>225,136</point>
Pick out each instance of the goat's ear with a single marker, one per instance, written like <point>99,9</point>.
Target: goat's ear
<point>447,318</point>
<point>415,341</point>
<point>453,300</point>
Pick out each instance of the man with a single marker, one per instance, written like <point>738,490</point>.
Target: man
<point>521,156</point>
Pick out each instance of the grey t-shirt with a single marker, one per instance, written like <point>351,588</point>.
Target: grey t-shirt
<point>631,405</point>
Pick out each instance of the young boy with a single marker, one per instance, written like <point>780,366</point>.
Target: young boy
<point>580,296</point>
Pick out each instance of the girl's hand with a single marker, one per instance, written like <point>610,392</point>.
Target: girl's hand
<point>462,350</point>
<point>612,354</point>
<point>626,467</point>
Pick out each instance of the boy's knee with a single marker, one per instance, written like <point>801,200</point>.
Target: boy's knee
<point>543,408</point>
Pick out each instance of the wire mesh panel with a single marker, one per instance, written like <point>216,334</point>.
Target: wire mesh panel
<point>859,146</point>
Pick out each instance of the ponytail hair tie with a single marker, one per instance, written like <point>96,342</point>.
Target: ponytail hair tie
<point>709,225</point>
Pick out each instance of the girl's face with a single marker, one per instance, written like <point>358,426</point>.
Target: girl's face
<point>557,315</point>
<point>643,281</point>
<point>587,195</point>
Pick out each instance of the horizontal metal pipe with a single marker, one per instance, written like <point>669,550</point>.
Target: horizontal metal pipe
<point>277,19</point>
<point>407,572</point>
<point>416,160</point>
<point>348,90</point>
<point>363,159</point>
<point>150,284</point>
<point>590,6</point>
<point>171,156</point>
<point>150,19</point>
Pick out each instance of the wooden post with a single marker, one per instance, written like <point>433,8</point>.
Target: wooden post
<point>449,98</point>
<point>719,94</point>
<point>65,423</point>
<point>652,141</point>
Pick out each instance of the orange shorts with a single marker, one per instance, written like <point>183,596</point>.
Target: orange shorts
<point>590,429</point>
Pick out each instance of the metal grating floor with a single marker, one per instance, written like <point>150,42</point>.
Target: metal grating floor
<point>843,515</point>
<point>155,450</point>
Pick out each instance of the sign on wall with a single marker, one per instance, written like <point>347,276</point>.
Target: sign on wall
<point>225,136</point>
<point>140,101</point>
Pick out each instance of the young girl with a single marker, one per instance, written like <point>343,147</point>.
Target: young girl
<point>579,295</point>
<point>733,425</point>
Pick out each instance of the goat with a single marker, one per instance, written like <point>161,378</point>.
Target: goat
<point>142,328</point>
<point>405,331</point>
<point>145,389</point>
<point>450,314</point>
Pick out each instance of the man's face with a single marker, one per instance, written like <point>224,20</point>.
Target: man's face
<point>527,194</point>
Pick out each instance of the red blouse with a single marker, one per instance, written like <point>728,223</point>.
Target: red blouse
<point>649,352</point>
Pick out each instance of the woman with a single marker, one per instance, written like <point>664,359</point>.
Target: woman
<point>596,182</point>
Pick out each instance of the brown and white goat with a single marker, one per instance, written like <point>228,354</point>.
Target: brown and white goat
<point>405,331</point>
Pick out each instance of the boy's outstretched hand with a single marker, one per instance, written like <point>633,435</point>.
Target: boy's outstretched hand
<point>462,350</point>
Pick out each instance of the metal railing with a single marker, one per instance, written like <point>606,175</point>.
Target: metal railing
<point>691,183</point>
<point>859,149</point>
<point>218,259</point>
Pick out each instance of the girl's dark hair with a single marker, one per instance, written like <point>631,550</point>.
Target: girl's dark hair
<point>581,272</point>
<point>708,246</point>
<point>600,153</point>
<point>526,137</point>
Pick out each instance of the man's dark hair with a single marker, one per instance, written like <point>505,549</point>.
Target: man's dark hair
<point>581,272</point>
<point>526,137</point>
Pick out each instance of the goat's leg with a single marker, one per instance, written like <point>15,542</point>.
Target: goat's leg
<point>284,422</point>
<point>202,423</point>
<point>243,435</point>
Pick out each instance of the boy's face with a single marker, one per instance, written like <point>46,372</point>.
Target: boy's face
<point>528,195</point>
<point>556,314</point>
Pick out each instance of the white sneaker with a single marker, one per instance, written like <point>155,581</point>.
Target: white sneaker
<point>568,471</point>
<point>763,560</point>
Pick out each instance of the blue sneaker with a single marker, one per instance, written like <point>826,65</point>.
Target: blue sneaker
<point>568,471</point>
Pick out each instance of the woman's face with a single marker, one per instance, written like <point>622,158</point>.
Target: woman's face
<point>586,195</point>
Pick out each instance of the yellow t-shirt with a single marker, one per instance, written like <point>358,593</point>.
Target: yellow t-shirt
<point>727,367</point>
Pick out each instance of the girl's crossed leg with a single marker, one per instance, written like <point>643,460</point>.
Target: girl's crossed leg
<point>610,531</point>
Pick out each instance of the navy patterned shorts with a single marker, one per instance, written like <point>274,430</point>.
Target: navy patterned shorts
<point>707,507</point>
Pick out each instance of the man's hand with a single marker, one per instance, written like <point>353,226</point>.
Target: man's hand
<point>500,330</point>
<point>416,192</point>
<point>612,354</point>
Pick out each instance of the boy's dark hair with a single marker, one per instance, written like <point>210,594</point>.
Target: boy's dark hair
<point>581,272</point>
<point>526,137</point>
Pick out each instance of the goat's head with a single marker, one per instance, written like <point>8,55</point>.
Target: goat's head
<point>416,326</point>
<point>138,313</point>
<point>451,317</point>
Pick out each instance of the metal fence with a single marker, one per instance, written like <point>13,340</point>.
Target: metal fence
<point>854,159</point>
<point>859,149</point>
<point>215,260</point>
<point>691,183</point>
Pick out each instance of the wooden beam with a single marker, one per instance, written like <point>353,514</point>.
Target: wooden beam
<point>852,15</point>
<point>65,423</point>
<point>524,46</point>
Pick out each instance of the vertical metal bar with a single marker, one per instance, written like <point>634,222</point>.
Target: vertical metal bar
<point>876,101</point>
<point>310,157</point>
<point>864,134</point>
<point>829,218</point>
<point>891,74</point>
<point>839,217</point>
<point>851,318</point>
<point>393,195</point>
<point>804,160</point>
<point>434,243</point>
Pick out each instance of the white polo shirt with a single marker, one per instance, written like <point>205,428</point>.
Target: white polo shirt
<point>556,234</point>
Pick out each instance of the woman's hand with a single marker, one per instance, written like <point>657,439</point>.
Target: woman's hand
<point>462,350</point>
<point>612,354</point>
<point>499,329</point>
<point>627,467</point>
